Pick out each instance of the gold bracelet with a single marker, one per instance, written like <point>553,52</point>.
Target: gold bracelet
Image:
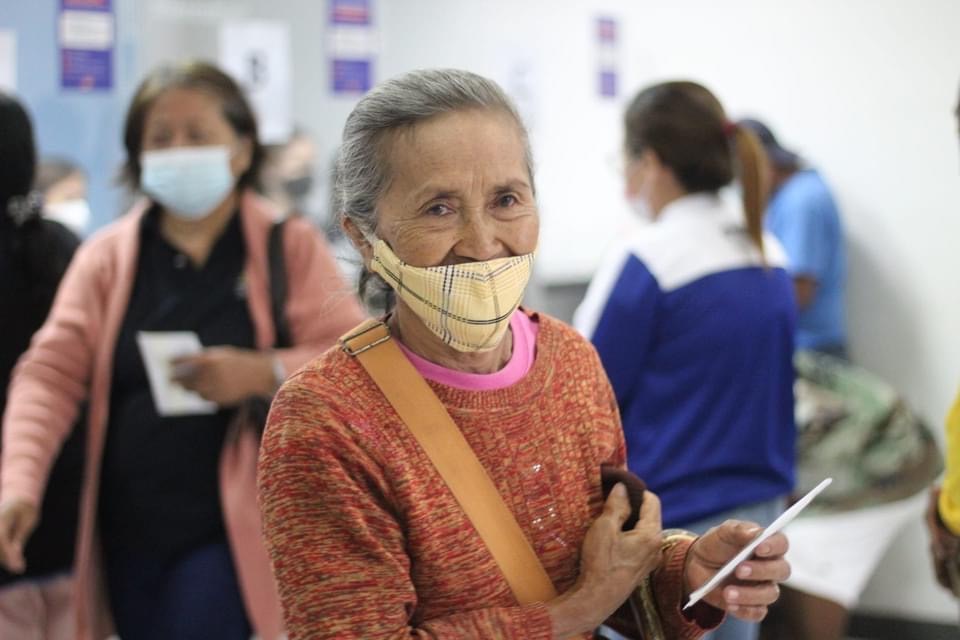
<point>671,537</point>
<point>648,617</point>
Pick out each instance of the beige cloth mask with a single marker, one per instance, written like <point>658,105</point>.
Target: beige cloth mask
<point>468,305</point>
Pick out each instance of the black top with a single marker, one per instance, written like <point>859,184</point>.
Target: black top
<point>33,258</point>
<point>160,490</point>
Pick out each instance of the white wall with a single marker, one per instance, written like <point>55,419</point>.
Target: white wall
<point>863,88</point>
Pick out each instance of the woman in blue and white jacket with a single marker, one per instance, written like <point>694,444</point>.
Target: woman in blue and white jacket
<point>694,319</point>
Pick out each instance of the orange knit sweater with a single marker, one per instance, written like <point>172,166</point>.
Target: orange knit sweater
<point>366,540</point>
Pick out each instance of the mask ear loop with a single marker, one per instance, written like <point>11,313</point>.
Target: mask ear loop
<point>373,240</point>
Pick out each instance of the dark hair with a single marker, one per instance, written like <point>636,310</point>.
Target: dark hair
<point>18,152</point>
<point>32,249</point>
<point>202,76</point>
<point>685,125</point>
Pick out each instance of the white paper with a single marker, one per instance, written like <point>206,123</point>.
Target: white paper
<point>785,518</point>
<point>92,30</point>
<point>159,349</point>
<point>257,54</point>
<point>8,60</point>
<point>352,42</point>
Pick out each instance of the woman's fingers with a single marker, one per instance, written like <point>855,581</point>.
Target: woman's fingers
<point>774,546</point>
<point>617,505</point>
<point>10,556</point>
<point>611,550</point>
<point>748,613</point>
<point>751,595</point>
<point>650,517</point>
<point>17,520</point>
<point>775,570</point>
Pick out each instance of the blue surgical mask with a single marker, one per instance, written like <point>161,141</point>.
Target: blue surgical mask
<point>188,181</point>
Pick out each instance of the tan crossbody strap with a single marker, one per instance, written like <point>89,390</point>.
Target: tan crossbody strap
<point>441,439</point>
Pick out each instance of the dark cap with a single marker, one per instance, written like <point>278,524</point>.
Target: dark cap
<point>779,156</point>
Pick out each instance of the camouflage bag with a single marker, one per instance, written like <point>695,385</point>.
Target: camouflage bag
<point>854,427</point>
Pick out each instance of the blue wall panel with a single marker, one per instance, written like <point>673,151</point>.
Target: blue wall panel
<point>84,126</point>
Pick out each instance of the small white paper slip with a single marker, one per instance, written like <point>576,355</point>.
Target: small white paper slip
<point>785,518</point>
<point>159,349</point>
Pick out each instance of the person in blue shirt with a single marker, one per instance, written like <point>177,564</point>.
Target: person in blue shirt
<point>803,215</point>
<point>694,320</point>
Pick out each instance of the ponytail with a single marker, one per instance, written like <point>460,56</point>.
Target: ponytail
<point>754,180</point>
<point>685,125</point>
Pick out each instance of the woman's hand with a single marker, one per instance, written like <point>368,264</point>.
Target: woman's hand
<point>612,564</point>
<point>226,375</point>
<point>944,546</point>
<point>18,519</point>
<point>753,585</point>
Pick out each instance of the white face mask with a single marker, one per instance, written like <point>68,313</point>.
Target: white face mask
<point>188,181</point>
<point>468,306</point>
<point>73,214</point>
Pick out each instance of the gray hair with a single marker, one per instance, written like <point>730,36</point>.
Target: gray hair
<point>362,174</point>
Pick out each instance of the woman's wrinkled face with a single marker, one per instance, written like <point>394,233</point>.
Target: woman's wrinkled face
<point>459,191</point>
<point>182,117</point>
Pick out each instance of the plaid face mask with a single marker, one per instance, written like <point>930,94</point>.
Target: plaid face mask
<point>469,305</point>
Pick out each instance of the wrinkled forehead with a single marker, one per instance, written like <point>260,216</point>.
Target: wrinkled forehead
<point>479,141</point>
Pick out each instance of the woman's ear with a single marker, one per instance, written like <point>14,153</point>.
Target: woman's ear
<point>638,172</point>
<point>359,241</point>
<point>650,161</point>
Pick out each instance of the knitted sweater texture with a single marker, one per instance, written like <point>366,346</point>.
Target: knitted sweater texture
<point>367,541</point>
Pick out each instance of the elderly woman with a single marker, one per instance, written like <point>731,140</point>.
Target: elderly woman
<point>367,539</point>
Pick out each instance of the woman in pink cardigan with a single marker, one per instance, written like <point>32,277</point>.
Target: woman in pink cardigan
<point>169,540</point>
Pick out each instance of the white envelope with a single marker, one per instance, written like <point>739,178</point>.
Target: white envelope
<point>785,518</point>
<point>159,349</point>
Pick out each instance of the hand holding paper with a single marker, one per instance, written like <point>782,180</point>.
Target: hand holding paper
<point>227,375</point>
<point>159,349</point>
<point>755,555</point>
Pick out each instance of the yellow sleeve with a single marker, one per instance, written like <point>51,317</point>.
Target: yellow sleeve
<point>950,494</point>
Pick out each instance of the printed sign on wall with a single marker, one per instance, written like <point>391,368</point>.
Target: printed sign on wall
<point>257,54</point>
<point>350,12</point>
<point>85,33</point>
<point>352,43</point>
<point>607,57</point>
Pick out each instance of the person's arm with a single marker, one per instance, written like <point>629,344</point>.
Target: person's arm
<point>670,594</point>
<point>804,236</point>
<point>320,308</point>
<point>690,563</point>
<point>48,385</point>
<point>804,289</point>
<point>321,305</point>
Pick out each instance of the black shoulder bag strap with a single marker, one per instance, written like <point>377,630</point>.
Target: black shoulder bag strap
<point>276,263</point>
